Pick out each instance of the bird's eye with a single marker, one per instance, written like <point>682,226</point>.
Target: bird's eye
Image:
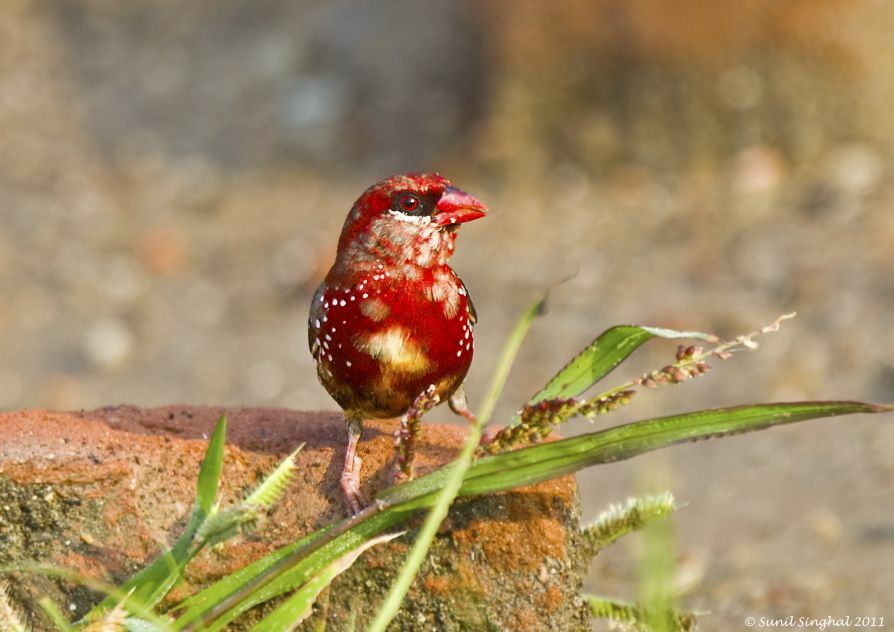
<point>408,203</point>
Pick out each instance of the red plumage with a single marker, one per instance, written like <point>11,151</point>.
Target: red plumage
<point>392,318</point>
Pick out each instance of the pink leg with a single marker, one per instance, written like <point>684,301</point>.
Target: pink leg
<point>350,474</point>
<point>460,405</point>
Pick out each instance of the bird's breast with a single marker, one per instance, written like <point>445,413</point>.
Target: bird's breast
<point>382,338</point>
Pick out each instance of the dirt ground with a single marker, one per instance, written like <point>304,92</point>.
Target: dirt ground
<point>172,184</point>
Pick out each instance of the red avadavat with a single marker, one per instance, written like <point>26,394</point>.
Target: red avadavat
<point>392,319</point>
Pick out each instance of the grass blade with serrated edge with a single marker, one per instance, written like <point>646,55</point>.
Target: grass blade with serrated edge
<point>600,358</point>
<point>298,606</point>
<point>631,616</point>
<point>153,582</point>
<point>547,460</point>
<point>274,484</point>
<point>456,473</point>
<point>226,523</point>
<point>624,442</point>
<point>632,515</point>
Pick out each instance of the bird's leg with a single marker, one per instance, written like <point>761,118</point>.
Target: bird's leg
<point>350,474</point>
<point>410,427</point>
<point>460,405</point>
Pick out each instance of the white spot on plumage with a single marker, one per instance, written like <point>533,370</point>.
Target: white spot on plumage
<point>317,323</point>
<point>342,302</point>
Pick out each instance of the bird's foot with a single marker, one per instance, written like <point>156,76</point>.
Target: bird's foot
<point>350,485</point>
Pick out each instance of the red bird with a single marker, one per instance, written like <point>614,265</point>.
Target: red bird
<point>392,318</point>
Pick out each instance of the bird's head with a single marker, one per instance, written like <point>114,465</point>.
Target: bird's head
<point>407,219</point>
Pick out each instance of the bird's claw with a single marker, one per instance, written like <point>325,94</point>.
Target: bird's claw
<point>350,485</point>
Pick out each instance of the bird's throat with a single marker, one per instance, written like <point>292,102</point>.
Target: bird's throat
<point>405,247</point>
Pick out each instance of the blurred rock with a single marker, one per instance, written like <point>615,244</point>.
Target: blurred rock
<point>108,343</point>
<point>163,251</point>
<point>857,169</point>
<point>758,169</point>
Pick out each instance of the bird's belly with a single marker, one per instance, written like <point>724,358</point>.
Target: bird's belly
<point>379,345</point>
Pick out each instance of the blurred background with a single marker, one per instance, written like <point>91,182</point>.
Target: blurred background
<point>173,179</point>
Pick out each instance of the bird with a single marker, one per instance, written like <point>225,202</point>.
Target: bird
<point>392,319</point>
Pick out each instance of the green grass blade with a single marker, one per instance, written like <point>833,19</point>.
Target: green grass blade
<point>433,521</point>
<point>600,358</point>
<point>152,583</point>
<point>454,474</point>
<point>308,558</point>
<point>548,460</point>
<point>212,465</point>
<point>507,357</point>
<point>297,607</point>
<point>54,614</point>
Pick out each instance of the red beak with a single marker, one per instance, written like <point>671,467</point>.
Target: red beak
<point>457,207</point>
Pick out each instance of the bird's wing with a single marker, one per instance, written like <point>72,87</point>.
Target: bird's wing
<point>473,313</point>
<point>313,321</point>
